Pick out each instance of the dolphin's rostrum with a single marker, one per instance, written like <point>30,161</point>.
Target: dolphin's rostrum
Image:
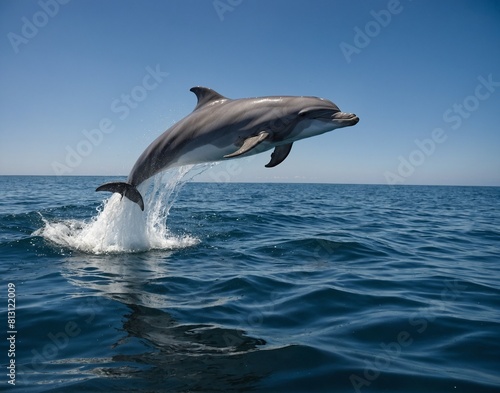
<point>221,128</point>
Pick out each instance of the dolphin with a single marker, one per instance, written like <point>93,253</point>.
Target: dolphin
<point>221,128</point>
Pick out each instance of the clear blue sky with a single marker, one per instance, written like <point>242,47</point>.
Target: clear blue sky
<point>411,70</point>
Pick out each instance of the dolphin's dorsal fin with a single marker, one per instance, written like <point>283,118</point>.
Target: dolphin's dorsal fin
<point>206,96</point>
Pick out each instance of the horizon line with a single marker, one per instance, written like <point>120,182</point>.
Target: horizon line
<point>275,182</point>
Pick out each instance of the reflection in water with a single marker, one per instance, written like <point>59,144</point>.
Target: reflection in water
<point>190,357</point>
<point>166,354</point>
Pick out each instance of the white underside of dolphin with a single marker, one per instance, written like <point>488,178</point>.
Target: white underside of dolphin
<point>220,128</point>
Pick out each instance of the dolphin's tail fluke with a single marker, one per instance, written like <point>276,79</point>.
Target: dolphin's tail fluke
<point>126,190</point>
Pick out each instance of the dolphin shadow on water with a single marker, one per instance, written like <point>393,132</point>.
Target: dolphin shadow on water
<point>154,351</point>
<point>220,128</point>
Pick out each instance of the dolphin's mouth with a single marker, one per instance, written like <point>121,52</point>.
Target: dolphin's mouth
<point>350,118</point>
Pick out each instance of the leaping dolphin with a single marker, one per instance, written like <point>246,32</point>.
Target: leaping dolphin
<point>221,128</point>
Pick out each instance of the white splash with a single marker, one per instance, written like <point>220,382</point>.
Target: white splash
<point>121,226</point>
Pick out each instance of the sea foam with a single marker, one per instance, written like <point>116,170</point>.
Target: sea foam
<point>120,226</point>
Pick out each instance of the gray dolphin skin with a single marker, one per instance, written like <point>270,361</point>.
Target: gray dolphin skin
<point>220,128</point>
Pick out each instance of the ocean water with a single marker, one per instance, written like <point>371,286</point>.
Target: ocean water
<point>226,287</point>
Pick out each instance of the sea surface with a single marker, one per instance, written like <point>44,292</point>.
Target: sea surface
<point>227,287</point>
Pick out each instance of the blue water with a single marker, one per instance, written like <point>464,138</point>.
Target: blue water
<point>251,287</point>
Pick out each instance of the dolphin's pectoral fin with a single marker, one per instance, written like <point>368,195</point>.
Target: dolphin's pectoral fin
<point>125,189</point>
<point>249,144</point>
<point>279,154</point>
